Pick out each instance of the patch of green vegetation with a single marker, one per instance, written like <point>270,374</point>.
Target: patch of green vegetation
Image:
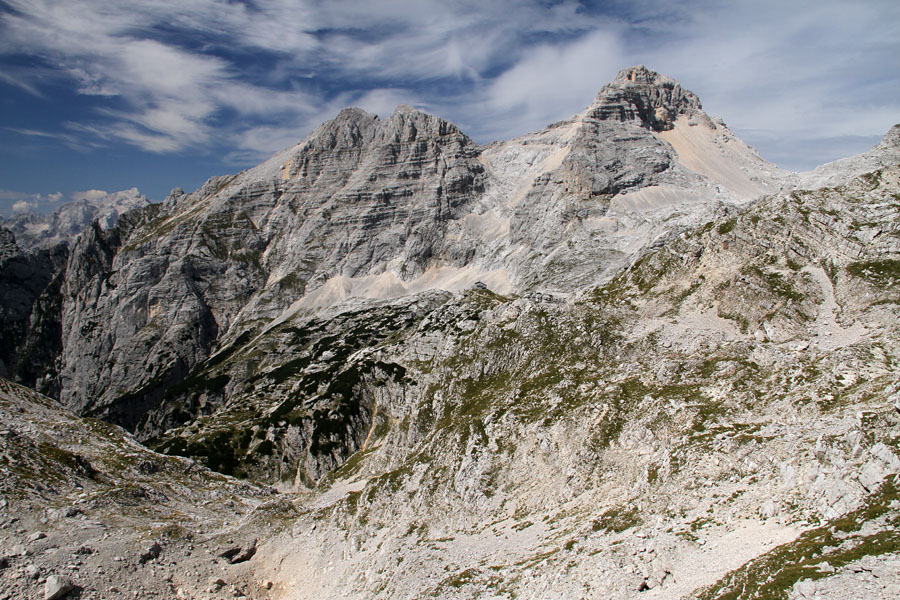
<point>66,459</point>
<point>647,272</point>
<point>457,580</point>
<point>523,525</point>
<point>687,535</point>
<point>617,520</point>
<point>831,270</point>
<point>685,293</point>
<point>197,382</point>
<point>838,542</point>
<point>478,395</point>
<point>484,298</point>
<point>157,228</point>
<point>878,272</point>
<point>741,320</point>
<point>223,183</point>
<point>873,178</point>
<point>710,365</point>
<point>776,283</point>
<point>226,353</point>
<point>700,523</point>
<point>611,292</point>
<point>726,227</point>
<point>221,450</point>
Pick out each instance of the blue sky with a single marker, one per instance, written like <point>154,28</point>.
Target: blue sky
<point>109,95</point>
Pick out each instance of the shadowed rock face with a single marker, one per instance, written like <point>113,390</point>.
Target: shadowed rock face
<point>30,312</point>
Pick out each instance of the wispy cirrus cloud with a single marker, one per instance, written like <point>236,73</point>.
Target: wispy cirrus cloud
<point>249,78</point>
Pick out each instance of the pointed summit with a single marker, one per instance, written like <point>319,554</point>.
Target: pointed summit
<point>408,123</point>
<point>646,97</point>
<point>352,127</point>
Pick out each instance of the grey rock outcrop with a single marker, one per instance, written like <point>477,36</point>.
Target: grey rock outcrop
<point>645,98</point>
<point>94,493</point>
<point>885,155</point>
<point>380,209</point>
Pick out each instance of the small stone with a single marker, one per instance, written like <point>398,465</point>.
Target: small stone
<point>805,588</point>
<point>57,586</point>
<point>151,553</point>
<point>236,554</point>
<point>825,567</point>
<point>216,583</point>
<point>32,571</point>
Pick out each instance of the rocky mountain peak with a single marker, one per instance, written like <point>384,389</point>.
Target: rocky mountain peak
<point>407,124</point>
<point>646,97</point>
<point>891,139</point>
<point>351,128</point>
<point>354,131</point>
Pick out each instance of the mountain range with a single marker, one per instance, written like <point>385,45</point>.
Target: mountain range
<point>621,356</point>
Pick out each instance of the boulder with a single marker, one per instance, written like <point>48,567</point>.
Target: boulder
<point>57,586</point>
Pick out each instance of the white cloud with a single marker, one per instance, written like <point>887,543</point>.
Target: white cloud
<point>20,82</point>
<point>13,202</point>
<point>552,82</point>
<point>23,206</point>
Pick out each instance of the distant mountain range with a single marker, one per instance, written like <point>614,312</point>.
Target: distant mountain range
<point>70,219</point>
